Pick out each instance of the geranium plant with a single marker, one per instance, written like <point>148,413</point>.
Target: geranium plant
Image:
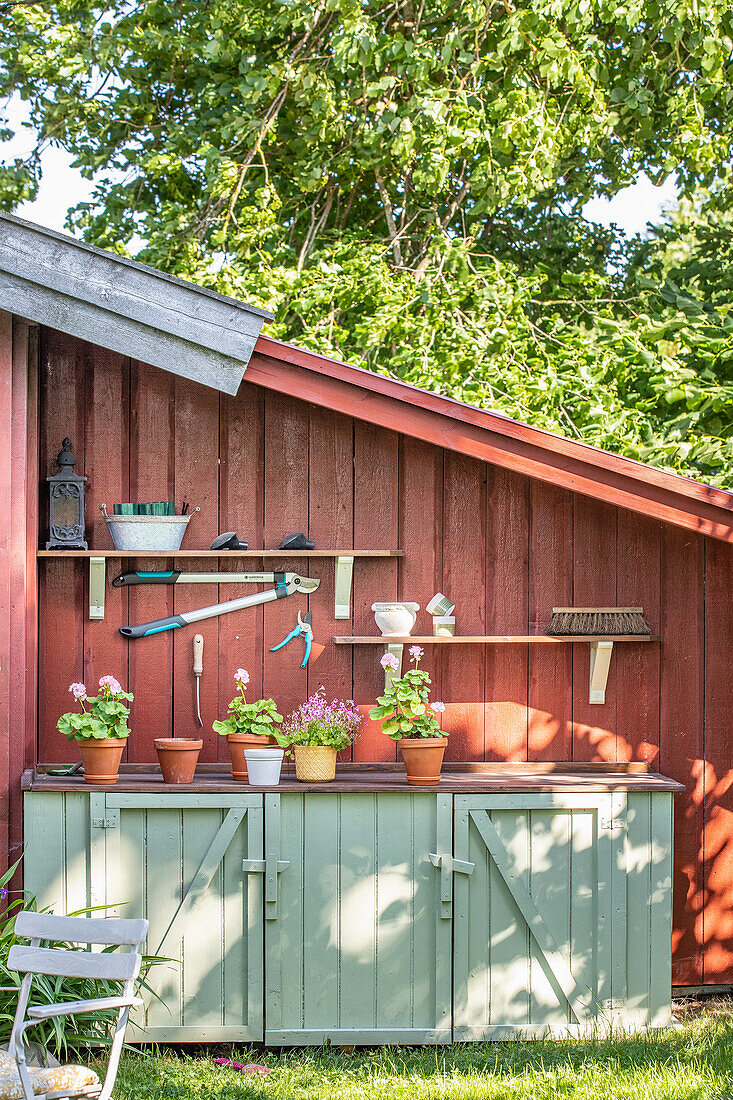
<point>320,724</point>
<point>102,716</point>
<point>405,709</point>
<point>260,719</point>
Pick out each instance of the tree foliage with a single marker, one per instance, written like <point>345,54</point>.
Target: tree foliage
<point>401,183</point>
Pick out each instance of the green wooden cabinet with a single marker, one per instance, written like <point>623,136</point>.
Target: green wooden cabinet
<point>564,924</point>
<point>177,860</point>
<point>375,917</point>
<point>355,949</point>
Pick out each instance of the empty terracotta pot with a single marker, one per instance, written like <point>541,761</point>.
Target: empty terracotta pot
<point>423,757</point>
<point>101,759</point>
<point>238,742</point>
<point>178,757</point>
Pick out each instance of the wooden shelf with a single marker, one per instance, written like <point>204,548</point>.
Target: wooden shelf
<point>600,645</point>
<point>343,559</point>
<point>507,639</point>
<point>220,553</point>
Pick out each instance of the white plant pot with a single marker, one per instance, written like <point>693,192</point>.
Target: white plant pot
<point>263,766</point>
<point>395,619</point>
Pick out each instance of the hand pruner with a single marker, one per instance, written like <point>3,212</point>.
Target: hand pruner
<point>303,627</point>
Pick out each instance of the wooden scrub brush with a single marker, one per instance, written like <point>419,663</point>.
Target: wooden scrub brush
<point>602,621</point>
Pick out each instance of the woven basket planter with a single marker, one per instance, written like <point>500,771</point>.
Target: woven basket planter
<point>314,763</point>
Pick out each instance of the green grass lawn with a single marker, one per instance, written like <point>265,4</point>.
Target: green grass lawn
<point>696,1061</point>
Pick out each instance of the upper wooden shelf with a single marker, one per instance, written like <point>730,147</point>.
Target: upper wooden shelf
<point>506,639</point>
<point>220,553</point>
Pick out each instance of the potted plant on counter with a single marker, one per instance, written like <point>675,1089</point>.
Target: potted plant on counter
<point>408,717</point>
<point>249,726</point>
<point>316,731</point>
<point>100,728</point>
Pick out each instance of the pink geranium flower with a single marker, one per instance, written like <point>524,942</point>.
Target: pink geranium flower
<point>78,690</point>
<point>416,652</point>
<point>111,682</point>
<point>390,661</point>
<point>437,707</point>
<point>241,676</point>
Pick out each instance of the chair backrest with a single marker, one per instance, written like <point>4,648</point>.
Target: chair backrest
<point>106,930</point>
<point>62,962</point>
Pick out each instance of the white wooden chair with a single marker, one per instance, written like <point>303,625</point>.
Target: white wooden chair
<point>111,966</point>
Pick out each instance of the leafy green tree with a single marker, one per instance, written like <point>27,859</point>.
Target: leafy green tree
<point>401,183</point>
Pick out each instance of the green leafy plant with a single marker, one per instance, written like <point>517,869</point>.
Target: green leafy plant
<point>260,718</point>
<point>405,709</point>
<point>65,1037</point>
<point>102,716</point>
<point>320,724</point>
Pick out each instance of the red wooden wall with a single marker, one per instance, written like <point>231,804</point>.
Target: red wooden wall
<point>503,547</point>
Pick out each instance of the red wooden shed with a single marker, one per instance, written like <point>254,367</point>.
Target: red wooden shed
<point>169,391</point>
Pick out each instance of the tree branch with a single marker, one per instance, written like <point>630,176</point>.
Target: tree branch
<point>389,217</point>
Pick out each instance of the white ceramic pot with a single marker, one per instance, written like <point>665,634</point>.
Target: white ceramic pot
<point>263,766</point>
<point>395,618</point>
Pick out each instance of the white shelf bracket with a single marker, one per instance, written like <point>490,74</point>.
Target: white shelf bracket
<point>344,579</point>
<point>600,662</point>
<point>97,582</point>
<point>395,649</point>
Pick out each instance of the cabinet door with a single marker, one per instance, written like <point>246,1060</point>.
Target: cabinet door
<point>178,860</point>
<point>358,943</point>
<point>540,924</point>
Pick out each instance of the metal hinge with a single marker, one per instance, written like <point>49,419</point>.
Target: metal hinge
<point>104,822</point>
<point>613,823</point>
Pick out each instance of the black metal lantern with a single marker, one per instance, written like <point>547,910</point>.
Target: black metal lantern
<point>66,504</point>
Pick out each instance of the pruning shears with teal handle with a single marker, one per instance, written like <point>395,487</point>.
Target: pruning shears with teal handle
<point>303,627</point>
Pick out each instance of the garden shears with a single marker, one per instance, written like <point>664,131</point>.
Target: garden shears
<point>286,584</point>
<point>303,627</point>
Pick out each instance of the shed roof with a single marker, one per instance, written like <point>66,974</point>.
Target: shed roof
<point>125,306</point>
<point>58,281</point>
<point>493,438</point>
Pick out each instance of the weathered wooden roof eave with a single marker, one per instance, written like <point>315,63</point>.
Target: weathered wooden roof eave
<point>493,438</point>
<point>127,307</point>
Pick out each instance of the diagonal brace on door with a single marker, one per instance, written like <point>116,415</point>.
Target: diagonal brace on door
<point>207,869</point>
<point>577,998</point>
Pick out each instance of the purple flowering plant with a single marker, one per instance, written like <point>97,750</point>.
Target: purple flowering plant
<point>405,709</point>
<point>101,716</point>
<point>260,718</point>
<point>317,722</point>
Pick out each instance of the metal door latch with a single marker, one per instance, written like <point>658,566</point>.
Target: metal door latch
<point>104,822</point>
<point>257,866</point>
<point>612,823</point>
<point>447,865</point>
<point>450,864</point>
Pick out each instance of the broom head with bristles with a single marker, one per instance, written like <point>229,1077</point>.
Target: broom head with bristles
<point>598,621</point>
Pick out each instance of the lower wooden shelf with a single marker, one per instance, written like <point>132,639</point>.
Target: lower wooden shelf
<point>495,639</point>
<point>601,648</point>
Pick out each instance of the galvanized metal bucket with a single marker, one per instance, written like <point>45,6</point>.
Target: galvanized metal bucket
<point>147,532</point>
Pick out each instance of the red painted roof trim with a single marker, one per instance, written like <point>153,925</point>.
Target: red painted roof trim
<point>492,438</point>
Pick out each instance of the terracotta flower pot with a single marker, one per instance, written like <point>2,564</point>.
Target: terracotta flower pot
<point>314,763</point>
<point>178,757</point>
<point>423,757</point>
<point>101,759</point>
<point>238,742</point>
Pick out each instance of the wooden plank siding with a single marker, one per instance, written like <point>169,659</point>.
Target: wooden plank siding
<point>504,546</point>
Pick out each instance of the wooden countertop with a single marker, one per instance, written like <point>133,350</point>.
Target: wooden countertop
<point>463,778</point>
